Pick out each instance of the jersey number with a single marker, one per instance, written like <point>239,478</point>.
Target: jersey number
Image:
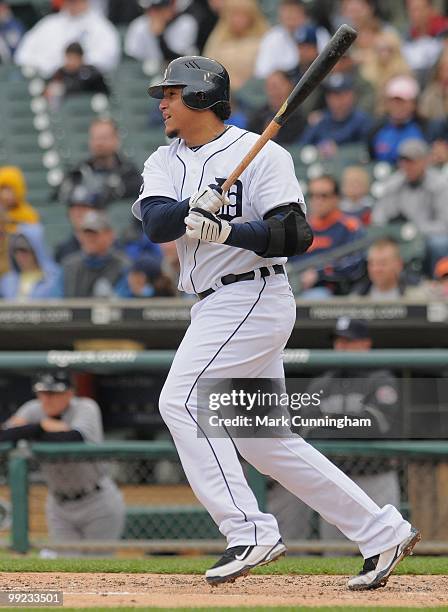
<point>235,195</point>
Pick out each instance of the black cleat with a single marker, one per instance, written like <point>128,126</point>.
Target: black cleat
<point>239,560</point>
<point>376,570</point>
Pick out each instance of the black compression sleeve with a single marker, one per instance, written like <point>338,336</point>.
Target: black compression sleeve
<point>163,218</point>
<point>62,436</point>
<point>252,236</point>
<point>32,431</point>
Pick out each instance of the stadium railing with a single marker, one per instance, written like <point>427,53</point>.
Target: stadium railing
<point>179,527</point>
<point>137,465</point>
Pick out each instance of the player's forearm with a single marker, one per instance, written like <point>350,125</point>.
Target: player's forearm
<point>163,218</point>
<point>72,435</point>
<point>284,232</point>
<point>31,431</point>
<point>252,236</point>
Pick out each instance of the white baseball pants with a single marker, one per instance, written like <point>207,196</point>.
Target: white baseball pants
<point>240,331</point>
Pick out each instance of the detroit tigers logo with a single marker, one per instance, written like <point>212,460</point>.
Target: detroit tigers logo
<point>235,195</point>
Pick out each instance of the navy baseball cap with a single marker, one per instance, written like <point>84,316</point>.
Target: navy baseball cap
<point>352,329</point>
<point>306,35</point>
<point>150,266</point>
<point>56,382</point>
<point>82,196</point>
<point>338,82</point>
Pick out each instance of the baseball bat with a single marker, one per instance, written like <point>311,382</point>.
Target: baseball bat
<point>324,62</point>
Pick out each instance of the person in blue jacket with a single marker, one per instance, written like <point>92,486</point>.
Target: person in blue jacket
<point>33,274</point>
<point>343,123</point>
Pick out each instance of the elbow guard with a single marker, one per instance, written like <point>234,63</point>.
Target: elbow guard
<point>289,232</point>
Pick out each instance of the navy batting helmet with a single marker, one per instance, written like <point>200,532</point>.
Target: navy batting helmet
<point>204,81</point>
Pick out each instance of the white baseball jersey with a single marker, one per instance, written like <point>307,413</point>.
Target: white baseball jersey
<point>176,171</point>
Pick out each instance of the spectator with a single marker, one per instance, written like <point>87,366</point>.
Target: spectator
<point>440,285</point>
<point>439,141</point>
<point>43,46</point>
<point>278,86</point>
<point>32,274</point>
<point>83,502</point>
<point>4,245</point>
<point>206,13</point>
<point>161,34</point>
<point>356,198</point>
<point>343,123</point>
<point>385,63</point>
<point>422,48</point>
<point>171,262</point>
<point>278,49</point>
<point>11,31</point>
<point>385,278</point>
<point>364,91</point>
<point>135,244</point>
<point>96,5</point>
<point>12,199</point>
<point>363,16</point>
<point>306,41</point>
<point>121,13</point>
<point>236,39</point>
<point>96,270</point>
<point>107,172</point>
<point>434,99</point>
<point>79,204</point>
<point>74,77</point>
<point>146,279</point>
<point>416,193</point>
<point>401,121</point>
<point>331,229</point>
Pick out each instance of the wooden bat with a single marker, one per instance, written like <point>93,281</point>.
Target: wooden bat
<point>324,62</point>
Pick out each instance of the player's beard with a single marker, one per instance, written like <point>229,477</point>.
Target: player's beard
<point>172,133</point>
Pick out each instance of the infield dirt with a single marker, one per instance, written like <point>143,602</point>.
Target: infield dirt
<point>176,590</point>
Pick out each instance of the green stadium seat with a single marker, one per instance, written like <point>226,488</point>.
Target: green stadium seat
<point>252,95</point>
<point>57,226</point>
<point>120,214</point>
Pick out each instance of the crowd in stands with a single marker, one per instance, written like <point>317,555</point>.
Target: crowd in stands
<point>387,97</point>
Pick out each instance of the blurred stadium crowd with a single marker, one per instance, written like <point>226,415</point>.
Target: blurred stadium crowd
<point>370,145</point>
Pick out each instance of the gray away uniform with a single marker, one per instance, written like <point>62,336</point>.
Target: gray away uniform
<point>83,501</point>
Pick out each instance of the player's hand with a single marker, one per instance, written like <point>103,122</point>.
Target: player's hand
<point>209,198</point>
<point>206,226</point>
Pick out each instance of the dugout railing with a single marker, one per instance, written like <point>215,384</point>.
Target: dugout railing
<point>418,458</point>
<point>423,465</point>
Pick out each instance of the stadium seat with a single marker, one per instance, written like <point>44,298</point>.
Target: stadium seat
<point>251,95</point>
<point>54,218</point>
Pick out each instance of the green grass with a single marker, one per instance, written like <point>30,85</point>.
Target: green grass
<point>198,565</point>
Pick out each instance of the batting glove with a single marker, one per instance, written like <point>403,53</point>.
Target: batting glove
<point>210,198</point>
<point>206,226</point>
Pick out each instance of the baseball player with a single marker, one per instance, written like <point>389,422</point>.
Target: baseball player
<point>83,502</point>
<point>232,250</point>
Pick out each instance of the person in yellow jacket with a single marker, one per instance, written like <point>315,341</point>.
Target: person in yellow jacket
<point>13,199</point>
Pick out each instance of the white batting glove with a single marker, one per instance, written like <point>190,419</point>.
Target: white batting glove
<point>209,198</point>
<point>204,225</point>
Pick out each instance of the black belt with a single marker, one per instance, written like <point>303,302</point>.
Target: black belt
<point>228,279</point>
<point>62,497</point>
